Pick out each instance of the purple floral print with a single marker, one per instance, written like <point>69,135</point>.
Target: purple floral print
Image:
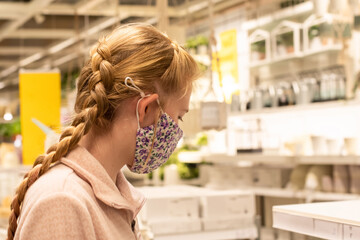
<point>168,133</point>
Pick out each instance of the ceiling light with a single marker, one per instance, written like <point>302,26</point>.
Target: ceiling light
<point>8,116</point>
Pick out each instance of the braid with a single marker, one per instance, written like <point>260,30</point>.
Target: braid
<point>95,105</point>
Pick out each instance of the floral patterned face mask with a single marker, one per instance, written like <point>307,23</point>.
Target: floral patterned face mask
<point>155,143</point>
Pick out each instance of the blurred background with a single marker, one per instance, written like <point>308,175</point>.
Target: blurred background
<point>273,120</point>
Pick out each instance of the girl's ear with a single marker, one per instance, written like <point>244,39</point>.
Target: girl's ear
<point>145,105</point>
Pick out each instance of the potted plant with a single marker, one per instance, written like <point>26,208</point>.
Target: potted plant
<point>258,51</point>
<point>314,37</point>
<point>285,43</point>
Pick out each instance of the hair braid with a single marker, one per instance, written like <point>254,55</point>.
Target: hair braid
<point>96,106</point>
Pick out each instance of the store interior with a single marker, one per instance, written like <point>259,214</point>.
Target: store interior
<point>271,145</point>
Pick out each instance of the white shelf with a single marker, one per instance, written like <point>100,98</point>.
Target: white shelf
<point>286,13</point>
<point>308,53</point>
<point>299,108</point>
<point>244,233</point>
<point>337,160</point>
<point>249,160</point>
<point>309,196</point>
<point>333,220</point>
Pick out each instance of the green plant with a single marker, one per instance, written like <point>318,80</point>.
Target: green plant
<point>286,39</point>
<point>10,129</point>
<point>194,42</point>
<point>314,31</point>
<point>202,40</point>
<point>258,46</point>
<point>202,140</point>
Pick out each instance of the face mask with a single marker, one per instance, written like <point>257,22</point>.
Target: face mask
<point>154,144</point>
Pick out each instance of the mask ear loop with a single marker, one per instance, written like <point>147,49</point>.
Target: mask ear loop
<point>142,94</point>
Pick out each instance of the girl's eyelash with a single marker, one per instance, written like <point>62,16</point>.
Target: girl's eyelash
<point>180,118</point>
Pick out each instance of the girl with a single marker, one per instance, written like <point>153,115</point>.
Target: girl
<point>130,96</point>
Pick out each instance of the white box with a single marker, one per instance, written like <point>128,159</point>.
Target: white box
<point>210,224</point>
<point>172,226</point>
<point>166,203</point>
<point>230,203</point>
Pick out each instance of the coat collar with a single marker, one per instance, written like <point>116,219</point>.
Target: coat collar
<point>120,195</point>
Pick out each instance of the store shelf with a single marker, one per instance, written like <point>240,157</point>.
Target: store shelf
<point>309,196</point>
<point>333,160</point>
<point>286,13</point>
<point>334,220</point>
<point>299,108</point>
<point>243,233</point>
<point>249,160</point>
<point>305,54</point>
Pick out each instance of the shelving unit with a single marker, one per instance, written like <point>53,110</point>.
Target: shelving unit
<point>249,160</point>
<point>289,12</point>
<point>243,233</point>
<point>326,49</point>
<point>299,108</point>
<point>309,196</point>
<point>335,220</point>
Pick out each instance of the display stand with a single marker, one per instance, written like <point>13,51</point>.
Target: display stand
<point>331,220</point>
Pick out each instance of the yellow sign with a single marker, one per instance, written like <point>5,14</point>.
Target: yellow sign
<point>40,99</point>
<point>225,63</point>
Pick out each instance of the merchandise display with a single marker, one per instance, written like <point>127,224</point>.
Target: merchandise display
<point>235,120</point>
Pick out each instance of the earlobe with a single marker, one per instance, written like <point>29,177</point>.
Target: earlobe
<point>144,105</point>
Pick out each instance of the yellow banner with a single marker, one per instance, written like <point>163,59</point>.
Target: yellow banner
<point>225,63</point>
<point>40,99</point>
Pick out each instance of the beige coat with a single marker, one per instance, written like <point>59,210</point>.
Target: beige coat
<point>77,199</point>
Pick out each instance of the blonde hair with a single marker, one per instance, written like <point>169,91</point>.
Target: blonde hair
<point>140,51</point>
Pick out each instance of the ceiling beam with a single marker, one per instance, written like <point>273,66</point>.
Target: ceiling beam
<point>42,33</point>
<point>17,10</point>
<point>12,10</point>
<point>93,29</point>
<point>19,50</point>
<point>32,8</point>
